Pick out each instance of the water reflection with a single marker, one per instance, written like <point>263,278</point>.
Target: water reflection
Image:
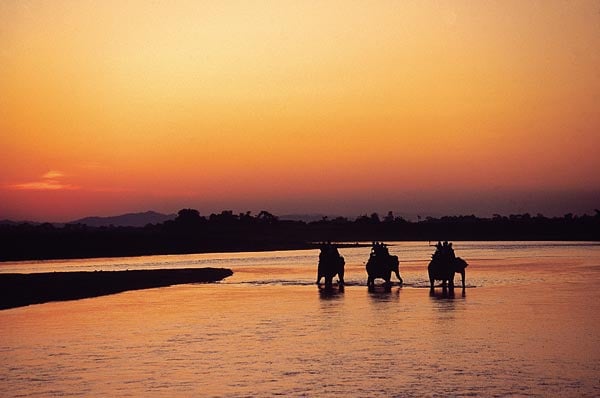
<point>384,286</point>
<point>446,301</point>
<point>381,294</point>
<point>333,292</point>
<point>447,294</point>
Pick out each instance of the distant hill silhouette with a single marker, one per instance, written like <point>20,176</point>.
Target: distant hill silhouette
<point>126,220</point>
<point>11,222</point>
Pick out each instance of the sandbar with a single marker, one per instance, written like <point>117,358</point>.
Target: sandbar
<point>18,290</point>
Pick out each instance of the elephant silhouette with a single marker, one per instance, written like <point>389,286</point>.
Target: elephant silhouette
<point>381,265</point>
<point>443,268</point>
<point>331,263</point>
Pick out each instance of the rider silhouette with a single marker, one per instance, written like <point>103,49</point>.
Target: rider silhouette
<point>444,251</point>
<point>379,250</point>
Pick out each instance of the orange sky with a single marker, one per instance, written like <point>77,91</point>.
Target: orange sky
<point>296,107</point>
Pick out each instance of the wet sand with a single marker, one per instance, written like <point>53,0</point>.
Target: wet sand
<point>17,290</point>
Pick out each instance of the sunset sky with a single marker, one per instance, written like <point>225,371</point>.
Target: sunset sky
<point>333,107</point>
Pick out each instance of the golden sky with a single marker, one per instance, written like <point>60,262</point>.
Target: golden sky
<point>297,106</point>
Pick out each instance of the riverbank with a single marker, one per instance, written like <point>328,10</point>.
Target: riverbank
<point>190,233</point>
<point>17,290</point>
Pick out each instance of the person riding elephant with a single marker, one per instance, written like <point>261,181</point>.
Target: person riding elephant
<point>331,263</point>
<point>381,265</point>
<point>444,264</point>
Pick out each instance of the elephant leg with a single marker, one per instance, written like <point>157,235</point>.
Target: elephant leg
<point>399,277</point>
<point>431,281</point>
<point>451,282</point>
<point>341,276</point>
<point>388,284</point>
<point>328,282</point>
<point>462,278</point>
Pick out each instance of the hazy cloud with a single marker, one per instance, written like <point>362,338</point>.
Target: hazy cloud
<point>52,174</point>
<point>49,181</point>
<point>43,186</point>
<point>111,189</point>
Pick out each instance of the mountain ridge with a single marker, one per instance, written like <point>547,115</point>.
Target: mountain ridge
<point>126,220</point>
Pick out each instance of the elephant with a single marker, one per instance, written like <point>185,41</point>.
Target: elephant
<point>443,268</point>
<point>331,263</point>
<point>381,266</point>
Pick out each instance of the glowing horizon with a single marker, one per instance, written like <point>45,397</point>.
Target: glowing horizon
<point>108,108</point>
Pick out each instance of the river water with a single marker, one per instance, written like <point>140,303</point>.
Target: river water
<point>527,325</point>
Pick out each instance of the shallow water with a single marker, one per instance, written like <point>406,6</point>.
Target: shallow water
<point>527,325</point>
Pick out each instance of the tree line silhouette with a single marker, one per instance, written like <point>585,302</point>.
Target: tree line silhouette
<point>191,232</point>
